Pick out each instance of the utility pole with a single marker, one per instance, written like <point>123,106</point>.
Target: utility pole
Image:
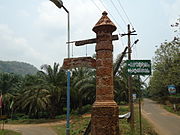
<point>140,96</point>
<point>131,106</point>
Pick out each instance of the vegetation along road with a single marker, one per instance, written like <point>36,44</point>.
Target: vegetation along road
<point>164,122</point>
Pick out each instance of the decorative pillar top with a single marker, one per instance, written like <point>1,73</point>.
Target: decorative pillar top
<point>104,24</point>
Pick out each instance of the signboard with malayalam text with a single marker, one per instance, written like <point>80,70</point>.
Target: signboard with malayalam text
<point>139,67</point>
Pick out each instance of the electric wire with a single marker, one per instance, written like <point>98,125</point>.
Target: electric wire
<point>125,12</point>
<point>118,12</point>
<point>111,15</point>
<point>96,6</point>
<point>121,39</point>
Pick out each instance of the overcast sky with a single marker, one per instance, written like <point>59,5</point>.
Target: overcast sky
<point>35,31</point>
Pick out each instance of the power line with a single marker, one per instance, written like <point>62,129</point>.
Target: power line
<point>96,6</point>
<point>111,15</point>
<point>118,13</point>
<point>125,12</point>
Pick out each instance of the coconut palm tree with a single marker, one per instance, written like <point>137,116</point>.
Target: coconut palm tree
<point>55,77</point>
<point>34,97</point>
<point>83,87</point>
<point>121,86</point>
<point>9,85</point>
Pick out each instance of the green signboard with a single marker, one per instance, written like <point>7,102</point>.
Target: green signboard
<point>139,67</point>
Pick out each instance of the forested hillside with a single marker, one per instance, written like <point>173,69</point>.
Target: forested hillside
<point>20,68</point>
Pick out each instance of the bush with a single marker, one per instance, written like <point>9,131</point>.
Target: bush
<point>86,109</point>
<point>174,99</point>
<point>60,117</point>
<point>122,103</point>
<point>83,110</point>
<point>19,116</point>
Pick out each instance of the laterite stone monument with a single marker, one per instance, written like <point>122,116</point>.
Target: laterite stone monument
<point>105,110</point>
<point>104,118</point>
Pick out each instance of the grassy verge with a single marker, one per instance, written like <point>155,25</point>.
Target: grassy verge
<point>125,126</point>
<point>169,108</point>
<point>8,132</point>
<point>34,121</point>
<point>31,121</point>
<point>79,124</point>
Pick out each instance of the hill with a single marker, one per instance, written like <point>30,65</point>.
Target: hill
<point>20,68</point>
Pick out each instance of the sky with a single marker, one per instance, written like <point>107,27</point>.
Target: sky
<point>35,31</point>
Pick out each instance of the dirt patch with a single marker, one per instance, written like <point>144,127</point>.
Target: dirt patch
<point>34,129</point>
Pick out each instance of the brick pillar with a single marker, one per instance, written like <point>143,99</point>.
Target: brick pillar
<point>105,111</point>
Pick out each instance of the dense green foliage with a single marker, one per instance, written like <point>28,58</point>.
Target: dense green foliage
<point>43,95</point>
<point>166,67</point>
<point>121,85</point>
<point>20,68</point>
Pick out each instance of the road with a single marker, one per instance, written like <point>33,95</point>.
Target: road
<point>165,123</point>
<point>31,129</point>
<point>34,129</point>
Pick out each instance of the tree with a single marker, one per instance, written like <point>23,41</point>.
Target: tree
<point>33,98</point>
<point>121,85</point>
<point>83,87</point>
<point>166,66</point>
<point>9,86</point>
<point>56,80</point>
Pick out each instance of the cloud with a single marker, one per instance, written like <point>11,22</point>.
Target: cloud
<point>49,16</point>
<point>83,16</point>
<point>52,24</point>
<point>17,48</point>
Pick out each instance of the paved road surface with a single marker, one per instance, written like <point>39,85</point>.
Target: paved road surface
<point>165,123</point>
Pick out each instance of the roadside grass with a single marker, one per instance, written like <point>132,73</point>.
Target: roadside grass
<point>30,121</point>
<point>77,127</point>
<point>125,125</point>
<point>79,124</point>
<point>177,95</point>
<point>168,101</point>
<point>34,121</point>
<point>169,108</point>
<point>9,132</point>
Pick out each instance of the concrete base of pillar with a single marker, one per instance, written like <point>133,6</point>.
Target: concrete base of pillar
<point>105,119</point>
